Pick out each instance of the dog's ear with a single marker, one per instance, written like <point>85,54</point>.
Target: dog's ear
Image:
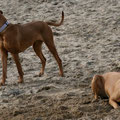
<point>96,83</point>
<point>98,79</point>
<point>1,11</point>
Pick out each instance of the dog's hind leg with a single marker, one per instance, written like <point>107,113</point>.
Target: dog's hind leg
<point>16,59</point>
<point>51,46</point>
<point>4,55</point>
<point>37,46</point>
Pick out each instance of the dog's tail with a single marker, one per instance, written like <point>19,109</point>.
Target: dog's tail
<point>57,24</point>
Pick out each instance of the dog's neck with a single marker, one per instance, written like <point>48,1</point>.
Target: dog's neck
<point>4,26</point>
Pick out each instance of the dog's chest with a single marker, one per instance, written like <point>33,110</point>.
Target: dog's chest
<point>9,45</point>
<point>1,44</point>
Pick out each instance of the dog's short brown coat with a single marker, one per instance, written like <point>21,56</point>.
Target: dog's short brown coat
<point>18,37</point>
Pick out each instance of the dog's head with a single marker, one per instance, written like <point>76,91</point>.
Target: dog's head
<point>2,18</point>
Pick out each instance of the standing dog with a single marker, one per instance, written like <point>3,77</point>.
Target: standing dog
<point>15,38</point>
<point>107,85</point>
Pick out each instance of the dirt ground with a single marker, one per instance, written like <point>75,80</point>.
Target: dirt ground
<point>88,43</point>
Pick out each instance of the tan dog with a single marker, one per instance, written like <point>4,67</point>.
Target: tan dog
<point>15,38</point>
<point>105,85</point>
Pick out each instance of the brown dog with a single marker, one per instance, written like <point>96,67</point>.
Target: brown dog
<point>15,38</point>
<point>105,85</point>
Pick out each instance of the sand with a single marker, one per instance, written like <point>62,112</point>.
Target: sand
<point>88,43</point>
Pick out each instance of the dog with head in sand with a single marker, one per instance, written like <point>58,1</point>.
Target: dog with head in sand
<point>16,38</point>
<point>107,85</point>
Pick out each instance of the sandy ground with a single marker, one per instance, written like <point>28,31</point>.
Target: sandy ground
<point>88,43</point>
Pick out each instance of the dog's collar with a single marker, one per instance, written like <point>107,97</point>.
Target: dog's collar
<point>4,26</point>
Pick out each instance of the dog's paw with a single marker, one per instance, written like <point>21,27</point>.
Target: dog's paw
<point>94,100</point>
<point>61,74</point>
<point>40,74</point>
<point>2,83</point>
<point>20,80</point>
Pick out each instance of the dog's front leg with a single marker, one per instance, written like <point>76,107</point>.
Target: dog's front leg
<point>4,55</point>
<point>16,59</point>
<point>113,103</point>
